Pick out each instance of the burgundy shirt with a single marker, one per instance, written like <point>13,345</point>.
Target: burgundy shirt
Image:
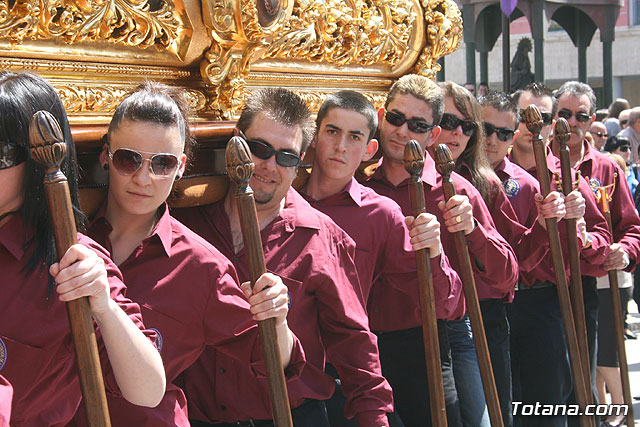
<point>596,226</point>
<point>495,266</point>
<point>384,255</point>
<point>6,394</point>
<point>599,170</point>
<point>315,259</point>
<point>524,238</point>
<point>36,351</point>
<point>189,295</point>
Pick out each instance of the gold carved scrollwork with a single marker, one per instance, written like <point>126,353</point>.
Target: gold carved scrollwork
<point>141,23</point>
<point>346,32</point>
<point>102,99</point>
<point>304,39</point>
<point>444,32</point>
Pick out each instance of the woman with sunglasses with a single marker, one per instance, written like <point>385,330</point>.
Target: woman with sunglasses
<point>463,132</point>
<point>187,289</point>
<point>36,351</point>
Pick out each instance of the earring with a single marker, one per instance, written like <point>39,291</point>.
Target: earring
<point>105,166</point>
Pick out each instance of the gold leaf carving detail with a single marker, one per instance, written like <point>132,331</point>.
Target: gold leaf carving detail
<point>444,33</point>
<point>129,22</point>
<point>361,32</point>
<point>103,99</point>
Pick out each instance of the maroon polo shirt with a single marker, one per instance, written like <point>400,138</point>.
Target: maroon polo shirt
<point>495,266</point>
<point>36,351</point>
<point>315,259</point>
<point>524,238</point>
<point>596,226</point>
<point>183,283</point>
<point>6,394</point>
<point>384,255</point>
<point>599,170</point>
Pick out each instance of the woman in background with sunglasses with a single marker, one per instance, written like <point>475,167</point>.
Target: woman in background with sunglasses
<point>187,289</point>
<point>463,132</point>
<point>36,351</point>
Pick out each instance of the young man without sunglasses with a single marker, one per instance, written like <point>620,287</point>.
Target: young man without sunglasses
<point>386,263</point>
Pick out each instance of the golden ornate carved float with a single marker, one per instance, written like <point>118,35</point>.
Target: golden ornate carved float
<point>96,51</point>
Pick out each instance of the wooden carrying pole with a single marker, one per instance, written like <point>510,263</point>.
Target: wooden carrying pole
<point>533,120</point>
<point>616,305</point>
<point>445,165</point>
<point>562,133</point>
<point>414,163</point>
<point>240,169</point>
<point>48,149</point>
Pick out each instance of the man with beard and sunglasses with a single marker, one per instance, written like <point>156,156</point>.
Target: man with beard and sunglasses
<point>541,372</point>
<point>315,259</point>
<point>419,101</point>
<point>576,103</point>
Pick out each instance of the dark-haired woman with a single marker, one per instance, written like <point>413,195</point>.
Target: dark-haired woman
<point>462,132</point>
<point>36,352</point>
<point>187,289</point>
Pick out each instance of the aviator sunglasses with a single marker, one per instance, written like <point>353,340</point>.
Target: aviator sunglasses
<point>264,151</point>
<point>581,117</point>
<point>128,161</point>
<point>11,154</point>
<point>503,134</point>
<point>600,134</point>
<point>414,125</point>
<point>547,118</point>
<point>624,148</point>
<point>451,122</point>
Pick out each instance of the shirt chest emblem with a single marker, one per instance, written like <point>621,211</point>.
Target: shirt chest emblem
<point>595,185</point>
<point>159,341</point>
<point>3,354</point>
<point>511,187</point>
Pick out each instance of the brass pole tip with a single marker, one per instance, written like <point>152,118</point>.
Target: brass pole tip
<point>533,119</point>
<point>413,158</point>
<point>48,147</point>
<point>444,160</point>
<point>562,131</point>
<point>238,161</point>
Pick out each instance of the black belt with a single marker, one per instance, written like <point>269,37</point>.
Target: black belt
<point>536,285</point>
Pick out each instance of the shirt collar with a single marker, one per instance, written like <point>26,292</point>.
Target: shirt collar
<point>298,212</point>
<point>429,174</point>
<point>12,236</point>
<point>162,229</point>
<point>506,167</point>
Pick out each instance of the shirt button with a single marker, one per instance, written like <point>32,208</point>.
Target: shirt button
<point>222,370</point>
<point>376,310</point>
<point>223,407</point>
<point>469,242</point>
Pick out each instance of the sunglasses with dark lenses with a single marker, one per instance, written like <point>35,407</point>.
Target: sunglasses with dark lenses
<point>264,151</point>
<point>547,118</point>
<point>12,154</point>
<point>624,122</point>
<point>451,122</point>
<point>601,134</point>
<point>624,148</point>
<point>581,117</point>
<point>128,161</point>
<point>414,125</point>
<point>503,134</point>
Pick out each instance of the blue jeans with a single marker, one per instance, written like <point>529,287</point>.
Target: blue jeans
<point>466,372</point>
